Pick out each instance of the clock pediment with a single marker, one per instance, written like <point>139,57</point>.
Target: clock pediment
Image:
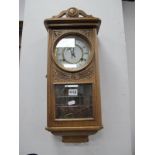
<point>72,18</point>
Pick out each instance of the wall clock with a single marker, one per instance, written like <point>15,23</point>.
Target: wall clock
<point>73,93</point>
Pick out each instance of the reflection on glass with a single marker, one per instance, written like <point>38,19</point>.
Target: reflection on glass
<point>70,65</point>
<point>73,101</point>
<point>66,42</point>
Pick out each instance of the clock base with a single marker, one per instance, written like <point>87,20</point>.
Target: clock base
<point>74,134</point>
<point>75,139</point>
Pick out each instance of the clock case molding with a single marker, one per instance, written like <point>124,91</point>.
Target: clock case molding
<point>73,22</point>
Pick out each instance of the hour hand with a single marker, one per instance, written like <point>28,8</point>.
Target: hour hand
<point>72,53</point>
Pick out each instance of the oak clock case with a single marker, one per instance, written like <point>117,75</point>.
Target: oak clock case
<point>73,93</point>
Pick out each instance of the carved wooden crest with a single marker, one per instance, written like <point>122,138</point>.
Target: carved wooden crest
<point>72,13</point>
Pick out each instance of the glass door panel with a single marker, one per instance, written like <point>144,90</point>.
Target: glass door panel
<point>73,101</point>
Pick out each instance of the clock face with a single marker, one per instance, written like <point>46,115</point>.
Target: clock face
<point>72,53</point>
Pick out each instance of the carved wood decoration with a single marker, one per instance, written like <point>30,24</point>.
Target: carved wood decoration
<point>72,13</point>
<point>60,75</point>
<point>73,116</point>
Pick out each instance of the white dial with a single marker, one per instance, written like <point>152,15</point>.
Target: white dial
<point>72,53</point>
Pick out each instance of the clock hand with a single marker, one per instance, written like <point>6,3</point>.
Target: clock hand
<point>73,53</point>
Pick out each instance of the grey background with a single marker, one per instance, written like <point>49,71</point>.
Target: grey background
<point>115,138</point>
<point>129,25</point>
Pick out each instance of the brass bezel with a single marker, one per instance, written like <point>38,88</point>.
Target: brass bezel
<point>81,36</point>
